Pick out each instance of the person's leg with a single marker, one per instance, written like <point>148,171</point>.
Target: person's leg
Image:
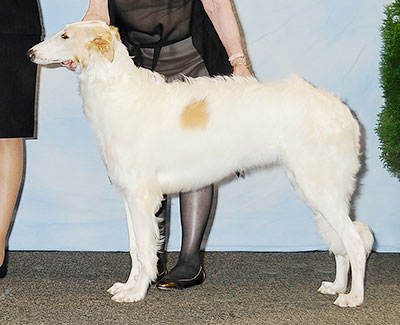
<point>11,169</point>
<point>195,212</point>
<point>176,60</point>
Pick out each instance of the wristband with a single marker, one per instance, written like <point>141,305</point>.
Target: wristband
<point>236,56</point>
<point>239,63</point>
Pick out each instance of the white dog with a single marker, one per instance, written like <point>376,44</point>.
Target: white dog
<point>157,137</point>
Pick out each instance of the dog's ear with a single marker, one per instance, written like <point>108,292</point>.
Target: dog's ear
<point>103,44</point>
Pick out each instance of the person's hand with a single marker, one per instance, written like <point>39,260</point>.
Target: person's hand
<point>69,64</point>
<point>95,16</point>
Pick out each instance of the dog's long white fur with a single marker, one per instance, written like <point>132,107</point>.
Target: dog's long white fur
<point>150,147</point>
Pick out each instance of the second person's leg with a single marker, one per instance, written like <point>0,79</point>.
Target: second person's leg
<point>195,212</point>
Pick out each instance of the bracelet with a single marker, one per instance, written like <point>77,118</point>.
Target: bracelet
<point>236,56</point>
<point>239,63</point>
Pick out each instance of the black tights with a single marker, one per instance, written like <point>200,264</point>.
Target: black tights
<point>195,209</point>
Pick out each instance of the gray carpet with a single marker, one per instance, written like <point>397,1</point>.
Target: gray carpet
<point>241,288</point>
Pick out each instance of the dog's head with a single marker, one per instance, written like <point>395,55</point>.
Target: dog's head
<point>81,42</point>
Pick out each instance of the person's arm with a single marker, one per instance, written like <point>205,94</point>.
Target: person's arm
<point>224,21</point>
<point>98,10</point>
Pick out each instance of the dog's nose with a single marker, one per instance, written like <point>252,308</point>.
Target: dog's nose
<point>31,54</point>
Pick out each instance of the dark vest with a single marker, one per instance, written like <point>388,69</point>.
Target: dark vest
<point>158,23</point>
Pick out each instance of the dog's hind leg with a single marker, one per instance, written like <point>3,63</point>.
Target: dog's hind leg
<point>335,244</point>
<point>353,245</point>
<point>141,206</point>
<point>345,242</point>
<point>341,258</point>
<point>329,201</point>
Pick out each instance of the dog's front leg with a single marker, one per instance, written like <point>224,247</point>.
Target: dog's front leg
<point>118,286</point>
<point>140,206</point>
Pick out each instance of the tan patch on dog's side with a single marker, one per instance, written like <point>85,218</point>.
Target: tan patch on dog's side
<point>195,115</point>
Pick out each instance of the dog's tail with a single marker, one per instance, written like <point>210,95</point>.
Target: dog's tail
<point>366,235</point>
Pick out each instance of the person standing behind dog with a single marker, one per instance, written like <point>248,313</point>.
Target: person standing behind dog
<point>174,37</point>
<point>20,29</point>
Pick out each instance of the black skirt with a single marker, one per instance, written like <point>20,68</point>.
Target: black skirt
<point>17,86</point>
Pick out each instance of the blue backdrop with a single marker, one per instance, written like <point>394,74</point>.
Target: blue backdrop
<point>68,203</point>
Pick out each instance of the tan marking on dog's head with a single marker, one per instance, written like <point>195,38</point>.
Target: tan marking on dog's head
<point>83,42</point>
<point>103,43</point>
<point>195,115</point>
<point>86,38</point>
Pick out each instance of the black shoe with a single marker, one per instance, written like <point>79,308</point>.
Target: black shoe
<point>3,267</point>
<point>172,284</point>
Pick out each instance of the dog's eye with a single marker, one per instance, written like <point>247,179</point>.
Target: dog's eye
<point>64,36</point>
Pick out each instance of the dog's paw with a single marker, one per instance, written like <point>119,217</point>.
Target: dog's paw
<point>115,288</point>
<point>126,292</point>
<point>349,300</point>
<point>129,294</point>
<point>331,288</point>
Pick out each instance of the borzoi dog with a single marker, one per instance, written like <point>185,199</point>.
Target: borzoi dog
<point>158,138</point>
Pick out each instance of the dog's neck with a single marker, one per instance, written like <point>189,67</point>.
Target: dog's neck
<point>99,75</point>
<point>98,67</point>
<point>121,68</point>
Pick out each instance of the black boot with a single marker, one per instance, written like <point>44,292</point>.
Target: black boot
<point>3,267</point>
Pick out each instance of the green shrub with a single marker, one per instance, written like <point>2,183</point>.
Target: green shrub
<point>388,126</point>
